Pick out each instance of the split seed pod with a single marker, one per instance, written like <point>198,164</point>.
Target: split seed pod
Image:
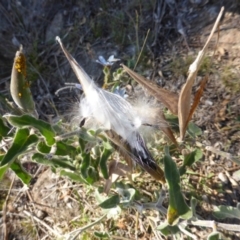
<point>19,86</point>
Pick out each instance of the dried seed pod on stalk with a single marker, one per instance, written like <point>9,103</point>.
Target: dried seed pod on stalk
<point>114,113</point>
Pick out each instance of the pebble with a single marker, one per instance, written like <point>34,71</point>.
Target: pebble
<point>40,214</point>
<point>236,175</point>
<point>223,178</point>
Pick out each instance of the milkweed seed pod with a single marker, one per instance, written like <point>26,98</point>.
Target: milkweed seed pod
<point>19,86</point>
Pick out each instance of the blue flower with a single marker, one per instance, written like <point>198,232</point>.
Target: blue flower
<point>111,60</point>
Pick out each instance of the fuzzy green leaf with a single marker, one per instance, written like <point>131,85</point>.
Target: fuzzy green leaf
<point>57,162</point>
<point>3,129</point>
<point>103,161</point>
<point>93,175</point>
<point>194,130</point>
<point>81,144</point>
<point>127,194</point>
<point>21,143</point>
<point>85,165</point>
<point>172,121</point>
<point>222,212</point>
<point>102,235</point>
<point>20,172</point>
<point>193,206</point>
<point>64,149</point>
<point>3,169</point>
<point>167,229</point>
<point>189,159</point>
<point>214,236</point>
<point>42,147</point>
<point>110,202</point>
<point>28,121</point>
<point>73,176</point>
<point>177,205</point>
<point>86,136</point>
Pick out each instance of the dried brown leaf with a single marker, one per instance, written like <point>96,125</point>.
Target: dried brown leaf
<point>197,98</point>
<point>169,99</point>
<point>184,102</point>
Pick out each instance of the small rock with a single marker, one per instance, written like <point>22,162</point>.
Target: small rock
<point>41,214</point>
<point>236,175</point>
<point>223,178</point>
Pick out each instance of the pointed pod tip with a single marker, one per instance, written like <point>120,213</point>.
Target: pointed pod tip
<point>21,48</point>
<point>58,39</point>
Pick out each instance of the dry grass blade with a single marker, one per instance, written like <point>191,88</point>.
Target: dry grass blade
<point>184,102</point>
<point>169,99</point>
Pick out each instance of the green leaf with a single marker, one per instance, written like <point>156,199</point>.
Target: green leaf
<point>103,161</point>
<point>42,147</point>
<point>192,157</point>
<point>177,205</point>
<point>106,144</point>
<point>28,121</point>
<point>101,235</point>
<point>189,159</point>
<point>21,173</point>
<point>97,151</point>
<point>86,136</point>
<point>127,194</point>
<point>3,169</point>
<point>62,149</point>
<point>93,175</point>
<point>81,144</point>
<point>22,141</point>
<point>111,202</point>
<point>222,212</point>
<point>73,176</point>
<point>214,236</point>
<point>167,229</point>
<point>85,165</point>
<point>194,130</point>
<point>19,86</point>
<point>58,162</point>
<point>173,121</point>
<point>65,149</point>
<point>4,130</point>
<point>193,206</point>
<point>98,196</point>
